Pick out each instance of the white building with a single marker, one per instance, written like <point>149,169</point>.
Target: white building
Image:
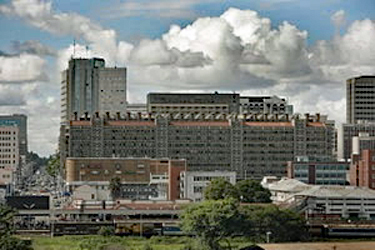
<point>331,200</point>
<point>98,191</point>
<point>193,182</point>
<point>284,191</point>
<point>342,201</point>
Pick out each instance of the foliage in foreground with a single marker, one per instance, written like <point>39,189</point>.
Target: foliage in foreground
<point>214,220</point>
<point>7,240</point>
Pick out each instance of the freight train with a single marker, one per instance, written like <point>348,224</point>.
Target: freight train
<point>121,228</point>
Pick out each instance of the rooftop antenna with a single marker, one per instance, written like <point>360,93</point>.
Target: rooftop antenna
<point>74,48</point>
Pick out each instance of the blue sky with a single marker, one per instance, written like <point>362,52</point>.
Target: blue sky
<point>299,49</point>
<point>312,16</point>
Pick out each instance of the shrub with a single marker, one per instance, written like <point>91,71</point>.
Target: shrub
<point>106,231</point>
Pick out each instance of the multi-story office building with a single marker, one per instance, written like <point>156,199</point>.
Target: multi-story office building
<point>10,167</point>
<point>20,121</point>
<point>265,105</point>
<point>362,133</point>
<point>319,171</point>
<point>193,183</point>
<point>251,145</point>
<point>190,103</point>
<point>360,99</point>
<point>141,178</point>
<point>88,86</point>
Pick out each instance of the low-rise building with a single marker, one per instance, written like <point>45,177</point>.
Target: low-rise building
<point>140,178</point>
<point>322,201</point>
<point>319,170</point>
<point>338,201</point>
<point>283,191</point>
<point>193,183</point>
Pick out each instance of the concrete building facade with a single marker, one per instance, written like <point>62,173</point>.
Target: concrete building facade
<point>191,103</point>
<point>87,87</point>
<point>363,133</point>
<point>253,146</point>
<point>10,159</point>
<point>20,121</point>
<point>193,183</point>
<point>217,103</point>
<point>360,99</point>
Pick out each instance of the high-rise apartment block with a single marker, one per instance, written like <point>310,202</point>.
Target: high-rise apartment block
<point>88,86</point>
<point>251,145</point>
<point>360,99</point>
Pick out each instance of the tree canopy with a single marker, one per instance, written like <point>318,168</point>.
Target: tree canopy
<point>220,189</point>
<point>213,220</point>
<point>7,241</point>
<point>251,191</point>
<point>53,164</point>
<point>115,187</point>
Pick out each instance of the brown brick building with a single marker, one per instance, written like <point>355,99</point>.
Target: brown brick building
<point>140,177</point>
<point>362,169</point>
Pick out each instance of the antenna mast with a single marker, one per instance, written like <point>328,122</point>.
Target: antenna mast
<point>74,47</point>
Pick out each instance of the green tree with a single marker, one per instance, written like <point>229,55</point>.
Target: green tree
<point>211,221</point>
<point>6,220</point>
<point>7,241</point>
<point>53,164</point>
<point>283,224</point>
<point>106,231</point>
<point>115,187</point>
<point>252,192</point>
<point>220,189</point>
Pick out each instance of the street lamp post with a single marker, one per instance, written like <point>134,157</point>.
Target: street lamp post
<point>268,236</point>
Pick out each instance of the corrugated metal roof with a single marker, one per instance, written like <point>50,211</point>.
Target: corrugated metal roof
<point>286,184</point>
<point>338,191</point>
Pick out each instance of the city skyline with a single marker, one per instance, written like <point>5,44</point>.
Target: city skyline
<point>195,46</point>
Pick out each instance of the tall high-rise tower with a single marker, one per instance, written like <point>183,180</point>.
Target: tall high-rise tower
<point>88,86</point>
<point>360,99</point>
